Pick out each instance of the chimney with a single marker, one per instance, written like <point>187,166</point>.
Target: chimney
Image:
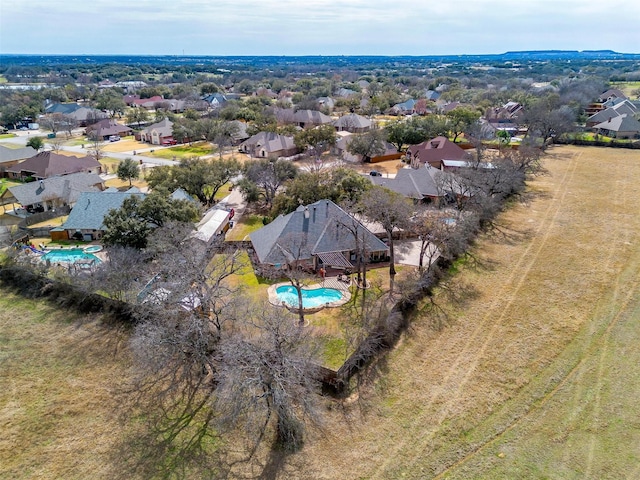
<point>42,184</point>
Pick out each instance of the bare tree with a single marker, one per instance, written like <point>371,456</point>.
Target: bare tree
<point>56,145</point>
<point>96,149</point>
<point>392,211</point>
<point>269,378</point>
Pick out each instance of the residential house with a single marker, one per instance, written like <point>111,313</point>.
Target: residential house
<point>79,114</point>
<point>147,103</point>
<point>314,236</point>
<point>622,127</point>
<point>106,128</point>
<point>615,109</point>
<point>431,95</point>
<point>310,118</point>
<point>50,164</point>
<point>87,216</point>
<point>216,100</point>
<point>269,145</point>
<point>418,184</point>
<point>434,151</point>
<point>52,192</point>
<point>341,149</point>
<point>490,128</point>
<point>509,111</point>
<point>404,108</point>
<point>326,102</point>
<point>160,133</point>
<point>181,194</point>
<point>239,132</point>
<point>353,123</point>
<point>346,93</point>
<point>11,156</point>
<point>611,93</point>
<point>301,118</point>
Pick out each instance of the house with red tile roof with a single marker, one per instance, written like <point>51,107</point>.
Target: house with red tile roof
<point>434,151</point>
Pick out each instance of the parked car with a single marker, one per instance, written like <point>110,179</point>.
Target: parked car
<point>375,173</point>
<point>114,138</point>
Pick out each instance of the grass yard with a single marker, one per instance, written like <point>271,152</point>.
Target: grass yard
<point>8,135</point>
<point>59,377</point>
<point>4,184</point>
<point>627,88</point>
<point>197,149</point>
<point>247,224</point>
<point>127,144</point>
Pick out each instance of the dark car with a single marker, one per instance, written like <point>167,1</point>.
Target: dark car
<point>375,173</point>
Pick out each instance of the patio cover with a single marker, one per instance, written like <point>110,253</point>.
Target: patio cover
<point>334,259</point>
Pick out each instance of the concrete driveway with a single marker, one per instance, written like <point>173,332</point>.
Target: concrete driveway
<point>408,253</point>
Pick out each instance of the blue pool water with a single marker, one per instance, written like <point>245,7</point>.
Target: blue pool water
<point>310,298</point>
<point>68,256</point>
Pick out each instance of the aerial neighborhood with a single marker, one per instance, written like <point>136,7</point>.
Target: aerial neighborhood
<point>224,207</point>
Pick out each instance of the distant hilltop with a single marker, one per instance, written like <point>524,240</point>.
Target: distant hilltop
<point>338,60</point>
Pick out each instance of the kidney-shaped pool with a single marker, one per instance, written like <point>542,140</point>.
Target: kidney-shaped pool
<point>311,298</point>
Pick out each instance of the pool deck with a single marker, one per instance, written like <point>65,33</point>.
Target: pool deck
<point>333,283</point>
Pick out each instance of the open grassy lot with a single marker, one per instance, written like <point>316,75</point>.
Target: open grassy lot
<point>59,375</point>
<point>127,144</point>
<point>537,373</point>
<point>197,149</point>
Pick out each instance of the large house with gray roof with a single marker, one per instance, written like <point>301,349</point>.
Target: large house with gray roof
<point>314,236</point>
<point>87,216</point>
<point>353,123</point>
<point>160,133</point>
<point>623,127</point>
<point>269,145</point>
<point>53,192</point>
<point>418,184</point>
<point>9,157</point>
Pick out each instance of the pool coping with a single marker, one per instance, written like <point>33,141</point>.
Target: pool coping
<point>273,297</point>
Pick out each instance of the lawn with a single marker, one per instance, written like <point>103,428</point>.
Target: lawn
<point>7,135</point>
<point>197,149</point>
<point>59,379</point>
<point>248,223</point>
<point>4,184</point>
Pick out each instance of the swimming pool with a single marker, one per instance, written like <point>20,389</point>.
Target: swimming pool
<point>71,255</point>
<point>316,297</point>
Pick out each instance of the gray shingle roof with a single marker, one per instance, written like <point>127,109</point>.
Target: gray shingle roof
<point>321,231</point>
<point>92,207</point>
<point>66,188</point>
<point>13,154</point>
<point>621,123</point>
<point>412,183</point>
<point>352,120</point>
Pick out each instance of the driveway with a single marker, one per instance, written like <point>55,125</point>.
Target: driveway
<point>408,253</point>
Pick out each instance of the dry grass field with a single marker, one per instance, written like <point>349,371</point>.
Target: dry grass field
<point>534,373</point>
<point>58,378</point>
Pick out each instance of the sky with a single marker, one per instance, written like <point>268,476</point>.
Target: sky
<point>316,27</point>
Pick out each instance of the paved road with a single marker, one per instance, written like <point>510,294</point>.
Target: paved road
<point>22,138</point>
